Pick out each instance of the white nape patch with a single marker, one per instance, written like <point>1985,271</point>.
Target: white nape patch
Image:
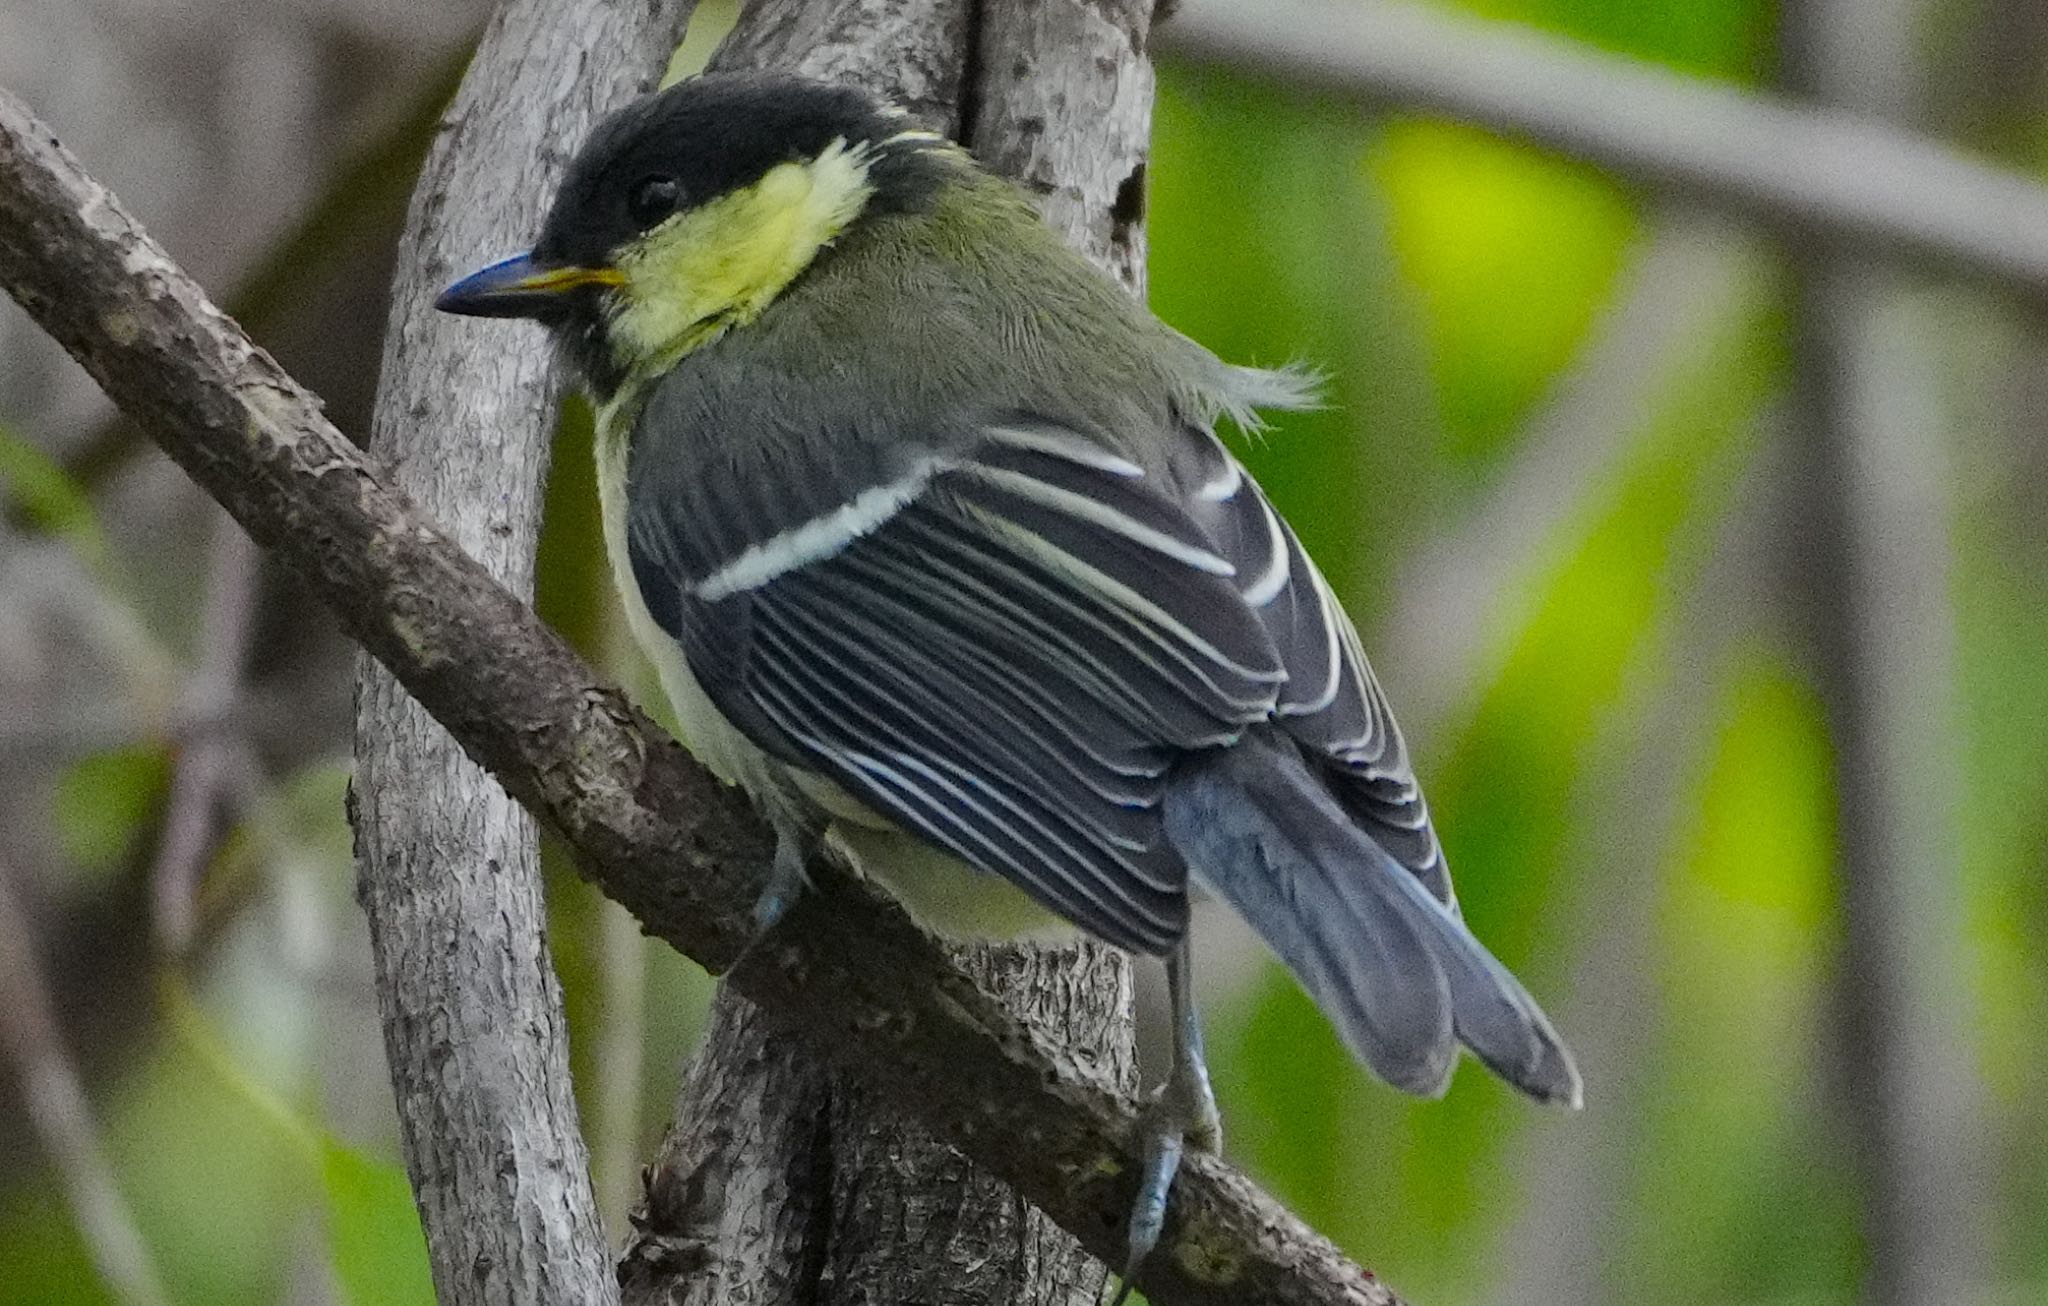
<point>817,539</point>
<point>1083,508</point>
<point>1059,443</point>
<point>1268,586</point>
<point>1225,486</point>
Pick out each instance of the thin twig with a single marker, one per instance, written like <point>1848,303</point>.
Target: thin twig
<point>62,1117</point>
<point>849,972</point>
<point>1807,169</point>
<point>206,726</point>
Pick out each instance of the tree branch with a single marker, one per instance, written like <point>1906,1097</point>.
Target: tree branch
<point>652,829</point>
<point>448,865</point>
<point>1480,574</point>
<point>1639,791</point>
<point>1810,170</point>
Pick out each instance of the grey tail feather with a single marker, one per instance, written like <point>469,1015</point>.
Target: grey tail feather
<point>1399,974</point>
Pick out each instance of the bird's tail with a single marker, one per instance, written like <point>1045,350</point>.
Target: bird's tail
<point>1396,970</point>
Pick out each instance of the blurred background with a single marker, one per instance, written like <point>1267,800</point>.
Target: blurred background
<point>1706,565</point>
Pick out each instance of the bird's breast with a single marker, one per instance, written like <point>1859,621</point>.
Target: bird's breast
<point>706,732</point>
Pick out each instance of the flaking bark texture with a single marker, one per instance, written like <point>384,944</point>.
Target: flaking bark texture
<point>738,1203</point>
<point>913,51</point>
<point>783,1180</point>
<point>912,1220</point>
<point>448,864</point>
<point>786,1180</point>
<point>849,979</point>
<point>1064,105</point>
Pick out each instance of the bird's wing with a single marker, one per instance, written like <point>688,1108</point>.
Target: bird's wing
<point>1332,703</point>
<point>1000,638</point>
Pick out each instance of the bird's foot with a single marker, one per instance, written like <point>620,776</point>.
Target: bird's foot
<point>1179,1117</point>
<point>1182,1114</point>
<point>787,881</point>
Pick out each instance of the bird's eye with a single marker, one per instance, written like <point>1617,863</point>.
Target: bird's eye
<point>652,199</point>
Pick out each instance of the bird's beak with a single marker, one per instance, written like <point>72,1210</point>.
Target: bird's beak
<point>520,287</point>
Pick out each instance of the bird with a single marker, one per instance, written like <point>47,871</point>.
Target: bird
<point>933,536</point>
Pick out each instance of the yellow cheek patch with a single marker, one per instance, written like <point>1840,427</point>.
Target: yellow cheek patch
<point>720,264</point>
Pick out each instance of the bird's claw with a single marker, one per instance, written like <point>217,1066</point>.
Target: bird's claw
<point>787,881</point>
<point>1165,1139</point>
<point>1181,1114</point>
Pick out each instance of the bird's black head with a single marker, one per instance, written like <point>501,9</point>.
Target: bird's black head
<point>709,138</point>
<point>688,212</point>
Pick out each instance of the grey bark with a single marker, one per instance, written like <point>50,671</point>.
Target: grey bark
<point>913,51</point>
<point>448,864</point>
<point>1794,167</point>
<point>1879,621</point>
<point>781,1179</point>
<point>912,1220</point>
<point>785,1180</point>
<point>1063,104</point>
<point>849,976</point>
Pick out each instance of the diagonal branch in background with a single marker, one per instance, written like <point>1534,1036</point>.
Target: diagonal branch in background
<point>1807,169</point>
<point>652,829</point>
<point>1474,583</point>
<point>1644,765</point>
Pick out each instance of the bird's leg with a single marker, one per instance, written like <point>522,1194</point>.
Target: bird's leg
<point>786,882</point>
<point>786,877</point>
<point>1190,1064</point>
<point>1182,1114</point>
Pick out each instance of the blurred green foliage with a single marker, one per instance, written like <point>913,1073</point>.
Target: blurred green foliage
<point>36,488</point>
<point>1450,281</point>
<point>106,804</point>
<point>379,1254</point>
<point>1729,39</point>
<point>1447,283</point>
